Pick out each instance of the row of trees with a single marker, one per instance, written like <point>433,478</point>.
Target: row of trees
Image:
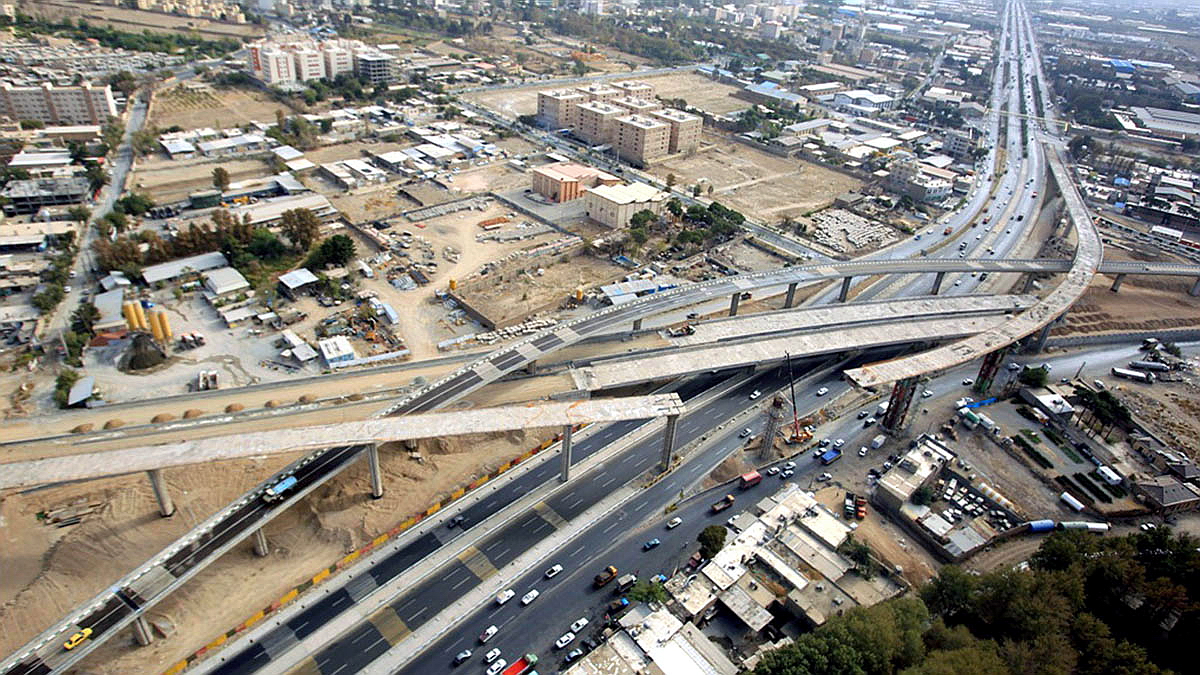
<point>167,43</point>
<point>1087,605</point>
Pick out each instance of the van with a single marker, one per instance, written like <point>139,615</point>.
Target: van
<point>878,441</point>
<point>625,582</point>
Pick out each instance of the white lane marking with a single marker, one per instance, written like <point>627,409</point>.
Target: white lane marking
<point>460,583</point>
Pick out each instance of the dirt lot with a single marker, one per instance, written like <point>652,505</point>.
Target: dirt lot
<point>756,183</point>
<point>168,180</point>
<point>886,539</point>
<point>52,569</point>
<point>218,107</point>
<point>136,21</point>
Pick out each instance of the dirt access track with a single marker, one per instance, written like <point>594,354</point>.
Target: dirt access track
<point>758,184</point>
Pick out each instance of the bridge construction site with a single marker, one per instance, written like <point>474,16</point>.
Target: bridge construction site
<point>441,484</point>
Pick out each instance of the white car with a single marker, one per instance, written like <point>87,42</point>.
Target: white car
<point>825,476</point>
<point>789,466</point>
<point>926,394</point>
<point>487,634</point>
<point>822,391</point>
<point>755,394</point>
<point>529,597</point>
<point>553,571</point>
<point>674,523</point>
<point>968,382</point>
<point>773,470</point>
<point>496,667</point>
<point>505,595</point>
<point>491,656</point>
<point>579,625</point>
<point>839,442</point>
<point>862,452</point>
<point>745,432</point>
<point>564,640</point>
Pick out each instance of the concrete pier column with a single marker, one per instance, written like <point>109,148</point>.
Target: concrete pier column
<point>141,631</point>
<point>564,473</point>
<point>1116,284</point>
<point>1195,288</point>
<point>261,548</point>
<point>1044,334</point>
<point>791,296</point>
<point>937,283</point>
<point>165,506</point>
<point>1029,283</point>
<point>637,324</point>
<point>733,303</point>
<point>376,474</point>
<point>845,292</point>
<point>669,441</point>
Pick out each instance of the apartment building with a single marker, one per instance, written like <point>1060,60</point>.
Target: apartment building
<point>338,60</point>
<point>641,139</point>
<point>375,68</point>
<point>600,92</point>
<point>564,182</point>
<point>635,89</point>
<point>309,64</point>
<point>636,106</point>
<point>271,64</point>
<point>556,109</point>
<point>685,129</point>
<point>597,122</point>
<point>84,104</point>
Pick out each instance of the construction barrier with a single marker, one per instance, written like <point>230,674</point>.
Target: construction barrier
<point>345,562</point>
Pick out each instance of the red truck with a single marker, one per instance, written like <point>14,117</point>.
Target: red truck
<point>751,479</point>
<point>522,665</point>
<point>947,231</point>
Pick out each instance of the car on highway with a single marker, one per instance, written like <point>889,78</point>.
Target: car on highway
<point>487,634</point>
<point>553,571</point>
<point>839,442</point>
<point>674,523</point>
<point>773,470</point>
<point>968,382</point>
<point>755,394</point>
<point>863,413</point>
<point>745,432</point>
<point>822,391</point>
<point>455,521</point>
<point>787,474</point>
<point>77,639</point>
<point>504,596</point>
<point>823,443</point>
<point>868,422</point>
<point>564,640</point>
<point>579,624</point>
<point>530,597</point>
<point>926,394</point>
<point>462,656</point>
<point>496,667</point>
<point>789,466</point>
<point>653,543</point>
<point>574,654</point>
<point>958,282</point>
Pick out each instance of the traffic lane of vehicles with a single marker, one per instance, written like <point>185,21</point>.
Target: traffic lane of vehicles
<point>594,548</point>
<point>305,623</point>
<point>364,643</point>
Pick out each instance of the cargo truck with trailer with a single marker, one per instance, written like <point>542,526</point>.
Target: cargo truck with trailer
<point>521,666</point>
<point>1135,375</point>
<point>1150,365</point>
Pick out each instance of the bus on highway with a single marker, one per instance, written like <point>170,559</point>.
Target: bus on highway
<point>751,479</point>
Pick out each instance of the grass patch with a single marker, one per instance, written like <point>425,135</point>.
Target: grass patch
<point>1089,485</point>
<point>1033,454</point>
<point>1054,436</point>
<point>1031,435</point>
<point>1070,453</point>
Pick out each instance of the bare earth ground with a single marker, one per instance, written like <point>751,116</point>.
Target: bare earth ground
<point>59,568</point>
<point>136,21</point>
<point>166,180</point>
<point>886,539</point>
<point>218,108</point>
<point>515,294</point>
<point>756,183</point>
<point>697,90</point>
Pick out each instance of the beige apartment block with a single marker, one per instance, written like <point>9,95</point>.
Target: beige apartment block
<point>614,205</point>
<point>600,92</point>
<point>597,121</point>
<point>84,104</point>
<point>557,109</point>
<point>636,106</point>
<point>564,182</point>
<point>635,89</point>
<point>685,129</point>
<point>641,139</point>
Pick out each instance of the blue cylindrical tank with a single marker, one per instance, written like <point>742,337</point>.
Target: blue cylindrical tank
<point>1041,525</point>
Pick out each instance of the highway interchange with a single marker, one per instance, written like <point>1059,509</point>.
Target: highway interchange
<point>1022,175</point>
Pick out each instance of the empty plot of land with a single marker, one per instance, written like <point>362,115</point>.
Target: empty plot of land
<point>699,92</point>
<point>220,107</point>
<point>135,21</point>
<point>168,181</point>
<point>756,183</point>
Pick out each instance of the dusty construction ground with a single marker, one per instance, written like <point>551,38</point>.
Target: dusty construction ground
<point>135,21</point>
<point>58,568</point>
<point>218,108</point>
<point>758,184</point>
<point>166,180</point>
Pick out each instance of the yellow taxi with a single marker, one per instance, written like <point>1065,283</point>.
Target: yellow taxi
<point>77,639</point>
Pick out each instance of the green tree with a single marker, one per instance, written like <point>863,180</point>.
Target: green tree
<point>675,208</point>
<point>1034,377</point>
<point>112,133</point>
<point>220,178</point>
<point>336,250</point>
<point>712,540</point>
<point>62,386</point>
<point>671,180</point>
<point>84,318</point>
<point>79,213</point>
<point>48,299</point>
<point>96,175</point>
<point>32,124</point>
<point>646,591</point>
<point>301,227</point>
<point>922,496</point>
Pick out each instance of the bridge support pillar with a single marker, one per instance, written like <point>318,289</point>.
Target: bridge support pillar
<point>901,399</point>
<point>845,292</point>
<point>937,283</point>
<point>1044,334</point>
<point>791,295</point>
<point>637,324</point>
<point>668,446</point>
<point>141,631</point>
<point>1116,284</point>
<point>376,474</point>
<point>1029,283</point>
<point>733,303</point>
<point>165,506</point>
<point>1195,288</point>
<point>564,473</point>
<point>988,369</point>
<point>261,548</point>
